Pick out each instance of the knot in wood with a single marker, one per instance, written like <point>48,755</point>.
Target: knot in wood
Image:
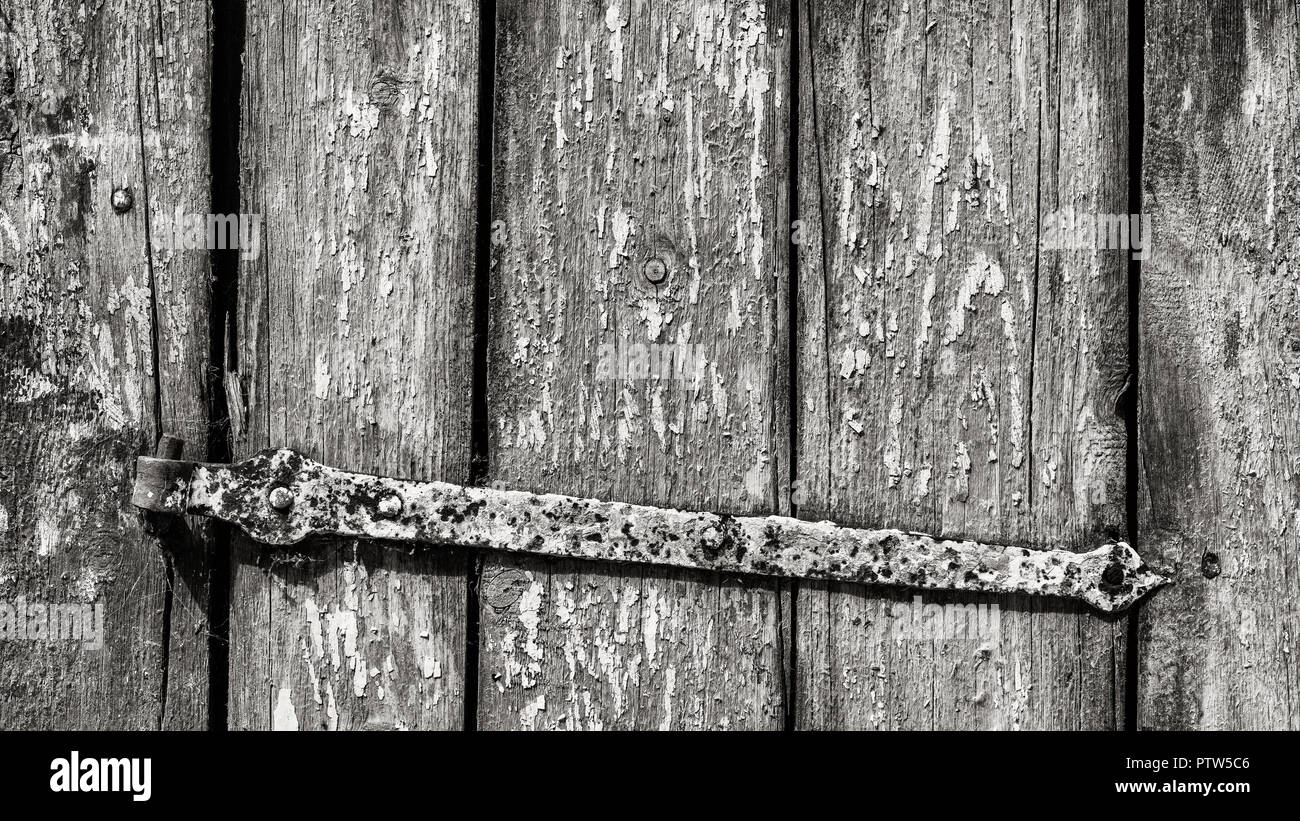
<point>504,587</point>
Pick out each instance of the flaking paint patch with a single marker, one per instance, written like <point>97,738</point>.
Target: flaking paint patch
<point>1014,388</point>
<point>652,314</point>
<point>531,710</point>
<point>936,175</point>
<point>925,322</point>
<point>657,422</point>
<point>959,474</point>
<point>983,394</point>
<point>621,228</point>
<point>284,717</point>
<point>314,628</point>
<point>49,525</point>
<point>322,376</point>
<point>528,668</point>
<point>921,483</point>
<point>983,275</point>
<point>853,166</point>
<point>650,627</point>
<point>614,22</point>
<point>893,455</point>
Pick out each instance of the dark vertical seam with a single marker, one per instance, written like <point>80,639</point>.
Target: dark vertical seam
<point>1054,78</point>
<point>1038,252</point>
<point>925,67</point>
<point>265,365</point>
<point>865,31</point>
<point>821,224</point>
<point>169,571</point>
<point>816,138</point>
<point>790,652</point>
<point>148,249</point>
<point>1136,123</point>
<point>482,328</point>
<point>225,119</point>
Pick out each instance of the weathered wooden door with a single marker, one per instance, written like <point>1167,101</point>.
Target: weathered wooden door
<point>737,256</point>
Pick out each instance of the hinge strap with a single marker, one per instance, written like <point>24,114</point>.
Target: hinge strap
<point>281,497</point>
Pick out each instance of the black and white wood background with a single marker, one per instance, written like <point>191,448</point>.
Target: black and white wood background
<point>457,202</point>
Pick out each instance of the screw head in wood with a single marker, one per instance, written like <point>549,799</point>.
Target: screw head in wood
<point>280,497</point>
<point>655,270</point>
<point>389,506</point>
<point>122,200</point>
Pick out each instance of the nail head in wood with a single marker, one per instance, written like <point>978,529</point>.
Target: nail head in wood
<point>123,200</point>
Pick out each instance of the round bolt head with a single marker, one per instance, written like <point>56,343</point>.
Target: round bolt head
<point>655,270</point>
<point>389,505</point>
<point>122,200</point>
<point>281,498</point>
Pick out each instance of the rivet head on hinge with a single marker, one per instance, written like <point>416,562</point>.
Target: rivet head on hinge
<point>389,506</point>
<point>280,497</point>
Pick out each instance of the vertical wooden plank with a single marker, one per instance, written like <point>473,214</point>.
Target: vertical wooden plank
<point>630,135</point>
<point>356,347</point>
<point>176,122</point>
<point>1220,348</point>
<point>954,378</point>
<point>103,333</point>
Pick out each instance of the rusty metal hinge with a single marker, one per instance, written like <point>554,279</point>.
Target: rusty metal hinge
<point>281,497</point>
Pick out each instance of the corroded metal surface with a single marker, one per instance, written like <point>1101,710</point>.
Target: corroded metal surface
<point>281,497</point>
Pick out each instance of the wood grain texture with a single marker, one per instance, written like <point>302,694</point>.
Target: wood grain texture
<point>627,132</point>
<point>954,378</point>
<point>356,343</point>
<point>93,99</point>
<point>1220,348</point>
